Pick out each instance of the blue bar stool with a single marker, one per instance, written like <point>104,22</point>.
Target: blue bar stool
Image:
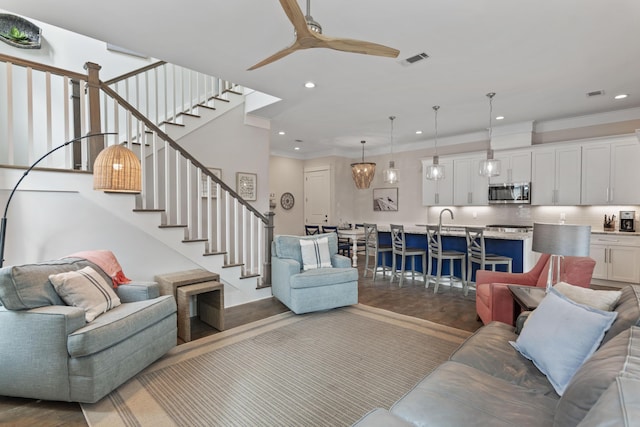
<point>436,252</point>
<point>373,248</point>
<point>399,247</point>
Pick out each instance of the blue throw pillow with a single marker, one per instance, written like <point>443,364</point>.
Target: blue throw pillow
<point>560,335</point>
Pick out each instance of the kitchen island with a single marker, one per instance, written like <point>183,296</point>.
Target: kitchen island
<point>514,244</point>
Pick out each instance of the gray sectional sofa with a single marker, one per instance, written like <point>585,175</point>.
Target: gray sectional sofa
<point>49,351</point>
<point>487,382</point>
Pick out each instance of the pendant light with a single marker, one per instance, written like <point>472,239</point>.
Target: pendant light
<point>490,166</point>
<point>363,172</point>
<point>391,174</point>
<point>435,171</point>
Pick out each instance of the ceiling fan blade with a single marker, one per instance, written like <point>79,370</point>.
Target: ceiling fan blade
<point>358,46</point>
<point>278,55</point>
<point>295,15</point>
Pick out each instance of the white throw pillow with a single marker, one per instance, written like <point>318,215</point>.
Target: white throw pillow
<point>315,253</point>
<point>560,335</point>
<point>602,300</point>
<point>85,289</point>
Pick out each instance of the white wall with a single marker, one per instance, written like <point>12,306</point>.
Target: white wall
<point>49,218</point>
<point>287,175</point>
<point>70,51</point>
<point>228,144</point>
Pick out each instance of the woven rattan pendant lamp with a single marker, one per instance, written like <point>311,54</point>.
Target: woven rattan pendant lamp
<point>363,172</point>
<point>117,169</point>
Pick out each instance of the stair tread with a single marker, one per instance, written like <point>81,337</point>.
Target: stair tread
<point>173,226</point>
<point>233,265</point>
<point>214,253</point>
<point>172,123</point>
<point>206,106</point>
<point>231,91</point>
<point>217,98</point>
<point>184,113</point>
<point>249,276</point>
<point>148,210</point>
<point>193,240</point>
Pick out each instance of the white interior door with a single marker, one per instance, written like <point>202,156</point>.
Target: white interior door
<point>317,196</point>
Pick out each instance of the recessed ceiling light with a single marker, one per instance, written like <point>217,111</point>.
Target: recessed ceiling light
<point>500,118</point>
<point>309,85</point>
<point>621,96</point>
<point>418,132</point>
<point>296,148</point>
<point>281,132</point>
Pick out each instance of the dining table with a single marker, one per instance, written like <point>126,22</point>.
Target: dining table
<point>353,234</point>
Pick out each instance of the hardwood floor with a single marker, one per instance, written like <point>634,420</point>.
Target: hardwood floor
<point>449,307</point>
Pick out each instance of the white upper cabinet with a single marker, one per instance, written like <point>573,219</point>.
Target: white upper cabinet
<point>556,176</point>
<point>611,173</point>
<point>515,166</point>
<point>438,193</point>
<point>469,188</point>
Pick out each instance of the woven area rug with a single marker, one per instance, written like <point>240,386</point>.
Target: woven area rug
<point>319,369</point>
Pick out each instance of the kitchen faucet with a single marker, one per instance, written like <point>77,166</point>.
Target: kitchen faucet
<point>440,218</point>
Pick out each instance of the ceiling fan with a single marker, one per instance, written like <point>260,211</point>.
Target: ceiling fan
<point>309,35</point>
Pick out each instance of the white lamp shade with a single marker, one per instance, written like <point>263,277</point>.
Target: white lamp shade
<point>561,239</point>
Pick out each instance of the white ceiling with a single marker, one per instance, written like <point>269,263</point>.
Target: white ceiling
<point>540,57</point>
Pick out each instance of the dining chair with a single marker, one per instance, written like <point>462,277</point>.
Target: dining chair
<point>436,252</point>
<point>344,245</point>
<point>310,230</point>
<point>477,254</point>
<point>399,248</point>
<point>373,248</point>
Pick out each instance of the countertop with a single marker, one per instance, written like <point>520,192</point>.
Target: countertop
<point>458,231</point>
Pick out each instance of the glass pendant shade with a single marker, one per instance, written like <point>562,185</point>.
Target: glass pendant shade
<point>435,171</point>
<point>363,172</point>
<point>391,174</point>
<point>489,167</point>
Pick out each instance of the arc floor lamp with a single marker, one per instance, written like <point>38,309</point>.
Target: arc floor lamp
<point>116,169</point>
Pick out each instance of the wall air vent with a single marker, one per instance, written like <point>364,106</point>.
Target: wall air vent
<point>595,93</point>
<point>413,59</point>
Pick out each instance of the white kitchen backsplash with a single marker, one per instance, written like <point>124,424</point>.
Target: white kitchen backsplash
<point>527,215</point>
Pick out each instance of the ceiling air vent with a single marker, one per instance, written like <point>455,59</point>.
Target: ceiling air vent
<point>595,93</point>
<point>415,58</point>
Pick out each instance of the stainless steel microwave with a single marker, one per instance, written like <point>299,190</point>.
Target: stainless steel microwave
<point>519,193</point>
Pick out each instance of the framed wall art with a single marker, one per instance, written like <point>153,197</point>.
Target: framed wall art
<point>247,185</point>
<point>214,190</point>
<point>385,199</point>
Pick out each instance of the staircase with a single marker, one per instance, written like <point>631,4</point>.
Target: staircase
<point>148,110</point>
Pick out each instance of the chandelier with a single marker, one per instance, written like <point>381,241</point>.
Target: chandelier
<point>391,174</point>
<point>363,172</point>
<point>435,171</point>
<point>490,166</point>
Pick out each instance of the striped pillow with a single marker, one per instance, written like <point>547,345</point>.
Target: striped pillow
<point>85,289</point>
<point>315,253</point>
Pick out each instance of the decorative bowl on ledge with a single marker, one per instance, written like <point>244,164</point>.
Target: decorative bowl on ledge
<point>18,32</point>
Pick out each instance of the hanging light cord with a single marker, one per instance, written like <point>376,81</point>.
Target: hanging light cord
<point>490,95</point>
<point>362,142</point>
<point>392,118</point>
<point>436,108</point>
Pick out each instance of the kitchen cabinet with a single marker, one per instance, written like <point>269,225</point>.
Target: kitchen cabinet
<point>610,173</point>
<point>616,258</point>
<point>555,176</point>
<point>438,193</point>
<point>469,188</point>
<point>515,166</point>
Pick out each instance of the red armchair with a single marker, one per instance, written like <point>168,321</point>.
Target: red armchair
<point>493,299</point>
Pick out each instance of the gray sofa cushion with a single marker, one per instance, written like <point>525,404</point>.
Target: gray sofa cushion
<point>119,324</point>
<point>618,406</point>
<point>27,286</point>
<point>622,353</point>
<point>323,277</point>
<point>489,351</point>
<point>628,309</point>
<point>458,395</point>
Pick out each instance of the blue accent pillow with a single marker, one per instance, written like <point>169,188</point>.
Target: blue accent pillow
<point>560,335</point>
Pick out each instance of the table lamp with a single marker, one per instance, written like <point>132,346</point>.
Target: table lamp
<point>560,240</point>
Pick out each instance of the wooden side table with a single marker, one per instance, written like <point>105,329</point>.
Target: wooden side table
<point>210,302</point>
<point>526,298</point>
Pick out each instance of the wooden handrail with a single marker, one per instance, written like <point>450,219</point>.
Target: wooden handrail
<point>178,148</point>
<point>135,72</point>
<point>42,67</point>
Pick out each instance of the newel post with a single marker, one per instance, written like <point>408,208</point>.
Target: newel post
<point>96,143</point>
<point>266,270</point>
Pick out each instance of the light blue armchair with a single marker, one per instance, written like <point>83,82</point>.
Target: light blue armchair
<point>316,289</point>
